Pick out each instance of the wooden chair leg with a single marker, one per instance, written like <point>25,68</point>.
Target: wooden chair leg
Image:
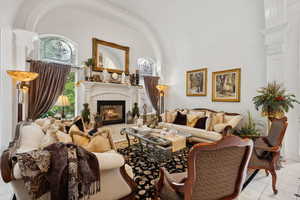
<point>274,179</point>
<point>267,173</point>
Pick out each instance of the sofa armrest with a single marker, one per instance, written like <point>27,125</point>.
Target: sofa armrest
<point>110,160</point>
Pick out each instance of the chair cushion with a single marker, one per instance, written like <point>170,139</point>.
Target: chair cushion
<point>30,137</point>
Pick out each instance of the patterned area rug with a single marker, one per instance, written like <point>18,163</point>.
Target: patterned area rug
<point>146,170</point>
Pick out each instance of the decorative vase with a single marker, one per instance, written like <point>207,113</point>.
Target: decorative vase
<point>85,113</point>
<point>273,114</point>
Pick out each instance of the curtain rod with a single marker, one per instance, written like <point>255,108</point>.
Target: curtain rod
<point>72,66</point>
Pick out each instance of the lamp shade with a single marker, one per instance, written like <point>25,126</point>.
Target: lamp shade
<point>22,75</point>
<point>63,101</point>
<point>162,88</point>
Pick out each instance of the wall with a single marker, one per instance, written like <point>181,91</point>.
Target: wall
<point>82,25</point>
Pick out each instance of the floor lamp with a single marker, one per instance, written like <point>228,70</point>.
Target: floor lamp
<point>62,102</point>
<point>22,78</point>
<point>162,91</point>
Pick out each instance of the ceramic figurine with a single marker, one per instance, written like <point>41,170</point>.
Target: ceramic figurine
<point>123,78</point>
<point>106,76</point>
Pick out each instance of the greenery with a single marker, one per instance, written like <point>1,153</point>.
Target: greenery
<point>249,129</point>
<point>274,99</point>
<point>89,62</point>
<point>69,91</point>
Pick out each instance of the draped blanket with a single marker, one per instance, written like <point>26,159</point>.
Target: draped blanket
<point>67,171</point>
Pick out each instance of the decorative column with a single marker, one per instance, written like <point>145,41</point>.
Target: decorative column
<point>7,107</point>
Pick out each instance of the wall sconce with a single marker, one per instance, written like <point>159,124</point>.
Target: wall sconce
<point>22,87</point>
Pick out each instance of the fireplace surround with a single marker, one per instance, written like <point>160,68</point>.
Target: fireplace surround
<point>112,111</point>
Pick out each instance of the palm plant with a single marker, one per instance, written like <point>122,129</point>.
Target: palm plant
<point>249,129</point>
<point>274,100</point>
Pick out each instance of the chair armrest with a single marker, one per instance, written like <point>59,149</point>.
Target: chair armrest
<point>110,160</point>
<point>270,149</point>
<point>178,187</point>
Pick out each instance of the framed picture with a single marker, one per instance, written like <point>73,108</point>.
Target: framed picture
<point>226,85</point>
<point>196,82</point>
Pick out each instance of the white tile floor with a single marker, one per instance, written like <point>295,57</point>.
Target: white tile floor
<point>259,189</point>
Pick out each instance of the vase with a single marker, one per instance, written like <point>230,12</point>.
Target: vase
<point>273,114</point>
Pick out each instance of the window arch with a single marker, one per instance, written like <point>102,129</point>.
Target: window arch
<point>147,66</point>
<point>55,48</point>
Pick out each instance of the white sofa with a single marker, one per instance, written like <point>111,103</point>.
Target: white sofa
<point>231,121</point>
<point>114,173</point>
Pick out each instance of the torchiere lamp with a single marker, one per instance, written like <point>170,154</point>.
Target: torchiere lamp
<point>22,87</point>
<point>162,91</point>
<point>63,101</point>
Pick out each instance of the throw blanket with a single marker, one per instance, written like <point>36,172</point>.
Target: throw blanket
<point>67,171</point>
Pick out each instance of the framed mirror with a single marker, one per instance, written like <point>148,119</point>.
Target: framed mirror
<point>110,56</point>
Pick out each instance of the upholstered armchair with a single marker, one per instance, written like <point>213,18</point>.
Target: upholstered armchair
<point>116,177</point>
<point>215,171</point>
<point>266,151</point>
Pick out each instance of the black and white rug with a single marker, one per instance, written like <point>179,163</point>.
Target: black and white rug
<point>146,170</point>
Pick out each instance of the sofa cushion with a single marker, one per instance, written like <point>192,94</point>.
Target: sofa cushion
<point>180,119</point>
<point>219,127</point>
<point>50,137</point>
<point>79,138</point>
<point>98,144</point>
<point>192,119</point>
<point>30,137</point>
<point>201,123</point>
<point>63,137</point>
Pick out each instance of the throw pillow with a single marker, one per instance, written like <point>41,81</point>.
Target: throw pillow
<point>74,128</point>
<point>63,137</point>
<point>219,127</point>
<point>180,119</point>
<point>169,116</point>
<point>192,119</point>
<point>79,138</point>
<point>79,124</point>
<point>98,144</point>
<point>50,137</point>
<point>217,118</point>
<point>201,123</point>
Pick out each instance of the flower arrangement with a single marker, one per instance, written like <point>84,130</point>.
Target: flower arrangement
<point>249,129</point>
<point>274,100</point>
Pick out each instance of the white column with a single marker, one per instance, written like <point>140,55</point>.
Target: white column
<point>7,88</point>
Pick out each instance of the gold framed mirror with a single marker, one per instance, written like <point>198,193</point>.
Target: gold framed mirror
<point>110,56</point>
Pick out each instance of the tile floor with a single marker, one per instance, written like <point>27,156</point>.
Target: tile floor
<point>259,189</point>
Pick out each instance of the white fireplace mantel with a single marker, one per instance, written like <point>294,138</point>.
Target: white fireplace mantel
<point>96,91</point>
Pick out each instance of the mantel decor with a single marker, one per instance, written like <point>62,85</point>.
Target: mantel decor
<point>226,85</point>
<point>110,56</point>
<point>274,100</point>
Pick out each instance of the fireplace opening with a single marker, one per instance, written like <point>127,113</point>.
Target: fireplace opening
<point>112,112</point>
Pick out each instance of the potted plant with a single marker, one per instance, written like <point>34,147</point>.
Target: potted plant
<point>274,100</point>
<point>89,63</point>
<point>249,129</point>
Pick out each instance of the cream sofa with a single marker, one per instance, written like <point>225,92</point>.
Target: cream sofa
<point>116,177</point>
<point>217,131</point>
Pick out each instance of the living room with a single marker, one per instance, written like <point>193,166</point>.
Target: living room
<point>145,88</point>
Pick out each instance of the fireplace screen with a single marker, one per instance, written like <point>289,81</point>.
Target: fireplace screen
<point>112,112</point>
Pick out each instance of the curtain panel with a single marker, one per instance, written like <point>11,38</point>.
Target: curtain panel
<point>45,90</point>
<point>150,85</point>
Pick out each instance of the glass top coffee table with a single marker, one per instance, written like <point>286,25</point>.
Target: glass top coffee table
<point>158,144</point>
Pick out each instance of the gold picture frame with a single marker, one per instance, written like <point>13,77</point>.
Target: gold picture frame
<point>226,85</point>
<point>196,82</point>
<point>96,53</point>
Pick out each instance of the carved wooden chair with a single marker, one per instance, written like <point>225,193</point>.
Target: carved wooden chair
<point>266,151</point>
<point>215,171</point>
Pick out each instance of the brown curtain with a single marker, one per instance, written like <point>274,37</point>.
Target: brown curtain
<point>150,85</point>
<point>45,90</point>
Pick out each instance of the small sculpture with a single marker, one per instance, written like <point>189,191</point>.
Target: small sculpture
<point>135,110</point>
<point>85,113</point>
<point>106,76</point>
<point>123,78</point>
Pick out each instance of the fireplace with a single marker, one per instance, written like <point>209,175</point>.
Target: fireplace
<point>113,112</point>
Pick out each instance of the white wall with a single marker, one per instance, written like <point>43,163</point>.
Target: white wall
<point>82,25</point>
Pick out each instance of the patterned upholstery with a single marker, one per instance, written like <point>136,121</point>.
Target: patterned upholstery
<point>274,133</point>
<point>218,172</point>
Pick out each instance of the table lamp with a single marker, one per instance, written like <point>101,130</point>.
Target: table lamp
<point>162,92</point>
<point>22,87</point>
<point>62,102</point>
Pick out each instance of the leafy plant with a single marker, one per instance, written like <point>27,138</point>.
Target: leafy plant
<point>273,99</point>
<point>249,129</point>
<point>89,62</point>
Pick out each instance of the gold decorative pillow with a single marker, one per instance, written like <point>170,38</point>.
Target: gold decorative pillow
<point>98,144</point>
<point>63,137</point>
<point>79,138</point>
<point>74,128</point>
<point>217,118</point>
<point>192,119</point>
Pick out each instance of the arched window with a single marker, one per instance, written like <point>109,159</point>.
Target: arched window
<point>59,49</point>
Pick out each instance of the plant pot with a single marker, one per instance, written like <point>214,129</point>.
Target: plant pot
<point>274,114</point>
